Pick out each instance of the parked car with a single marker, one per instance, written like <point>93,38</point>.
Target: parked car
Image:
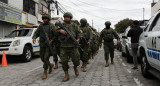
<point>126,45</point>
<point>19,43</point>
<point>149,47</point>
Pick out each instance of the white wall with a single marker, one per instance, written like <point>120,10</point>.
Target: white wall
<point>16,3</point>
<point>155,8</point>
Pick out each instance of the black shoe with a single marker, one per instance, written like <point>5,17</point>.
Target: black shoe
<point>134,68</point>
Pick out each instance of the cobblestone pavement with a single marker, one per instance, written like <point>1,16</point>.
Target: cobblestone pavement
<point>119,74</point>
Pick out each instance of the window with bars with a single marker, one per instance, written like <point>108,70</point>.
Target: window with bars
<point>29,6</point>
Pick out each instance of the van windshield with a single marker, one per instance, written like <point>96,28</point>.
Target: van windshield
<point>20,33</point>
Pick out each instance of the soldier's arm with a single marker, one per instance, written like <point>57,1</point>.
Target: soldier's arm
<point>79,33</point>
<point>54,34</point>
<point>116,35</point>
<point>91,34</point>
<point>37,33</point>
<point>100,37</point>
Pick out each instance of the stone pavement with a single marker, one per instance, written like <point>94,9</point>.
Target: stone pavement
<point>119,74</point>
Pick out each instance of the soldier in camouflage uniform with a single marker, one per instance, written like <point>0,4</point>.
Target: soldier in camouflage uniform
<point>85,42</point>
<point>68,47</point>
<point>56,49</point>
<point>95,43</point>
<point>108,34</point>
<point>50,29</point>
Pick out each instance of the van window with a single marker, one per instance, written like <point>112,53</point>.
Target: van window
<point>156,25</point>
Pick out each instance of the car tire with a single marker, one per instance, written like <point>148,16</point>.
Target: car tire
<point>128,57</point>
<point>123,54</point>
<point>145,66</point>
<point>27,54</point>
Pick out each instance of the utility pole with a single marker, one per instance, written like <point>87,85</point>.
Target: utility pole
<point>92,23</point>
<point>143,13</point>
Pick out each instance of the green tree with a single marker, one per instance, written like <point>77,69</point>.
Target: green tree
<point>121,26</point>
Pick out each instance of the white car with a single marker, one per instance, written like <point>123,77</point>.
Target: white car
<point>19,43</point>
<point>149,47</point>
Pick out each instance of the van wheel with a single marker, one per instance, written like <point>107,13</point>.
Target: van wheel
<point>128,57</point>
<point>27,54</point>
<point>145,66</point>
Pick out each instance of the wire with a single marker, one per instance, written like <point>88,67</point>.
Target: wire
<point>107,8</point>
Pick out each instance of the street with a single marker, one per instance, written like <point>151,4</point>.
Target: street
<point>119,74</point>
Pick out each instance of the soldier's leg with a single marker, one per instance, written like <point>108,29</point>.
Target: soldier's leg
<point>111,50</point>
<point>74,54</point>
<point>47,63</point>
<point>85,57</point>
<point>64,60</point>
<point>106,50</point>
<point>55,57</point>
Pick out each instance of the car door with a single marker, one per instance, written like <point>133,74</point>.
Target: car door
<point>153,42</point>
<point>36,47</point>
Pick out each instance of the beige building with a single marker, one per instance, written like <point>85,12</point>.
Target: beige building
<point>155,7</point>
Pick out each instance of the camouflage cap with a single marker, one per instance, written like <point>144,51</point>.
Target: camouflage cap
<point>83,20</point>
<point>46,15</point>
<point>107,23</point>
<point>68,14</point>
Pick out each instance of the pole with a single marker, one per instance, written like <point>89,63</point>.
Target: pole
<point>143,13</point>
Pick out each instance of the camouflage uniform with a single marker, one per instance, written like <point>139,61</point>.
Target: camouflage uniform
<point>87,37</point>
<point>68,47</point>
<point>50,29</point>
<point>108,35</point>
<point>56,49</point>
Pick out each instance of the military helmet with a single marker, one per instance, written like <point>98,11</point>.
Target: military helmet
<point>46,15</point>
<point>68,14</point>
<point>107,23</point>
<point>83,20</point>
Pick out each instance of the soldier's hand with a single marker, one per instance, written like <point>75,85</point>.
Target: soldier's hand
<point>119,42</point>
<point>89,43</point>
<point>50,42</point>
<point>78,41</point>
<point>63,32</point>
<point>100,45</point>
<point>34,41</point>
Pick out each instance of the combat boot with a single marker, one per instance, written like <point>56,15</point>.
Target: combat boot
<point>56,65</point>
<point>112,62</point>
<point>50,68</point>
<point>107,64</point>
<point>88,62</point>
<point>66,78</point>
<point>44,76</point>
<point>76,71</point>
<point>84,67</point>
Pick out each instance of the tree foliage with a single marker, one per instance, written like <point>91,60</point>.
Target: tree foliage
<point>121,26</point>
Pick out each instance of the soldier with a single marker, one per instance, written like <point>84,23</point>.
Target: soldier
<point>108,34</point>
<point>68,47</point>
<point>85,42</point>
<point>50,29</point>
<point>95,43</point>
<point>56,49</point>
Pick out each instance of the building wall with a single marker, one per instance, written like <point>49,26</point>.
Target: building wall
<point>155,8</point>
<point>6,28</point>
<point>16,3</point>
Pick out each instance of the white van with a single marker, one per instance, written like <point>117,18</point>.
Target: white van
<point>149,47</point>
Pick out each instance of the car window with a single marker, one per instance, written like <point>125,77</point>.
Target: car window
<point>156,25</point>
<point>20,33</point>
